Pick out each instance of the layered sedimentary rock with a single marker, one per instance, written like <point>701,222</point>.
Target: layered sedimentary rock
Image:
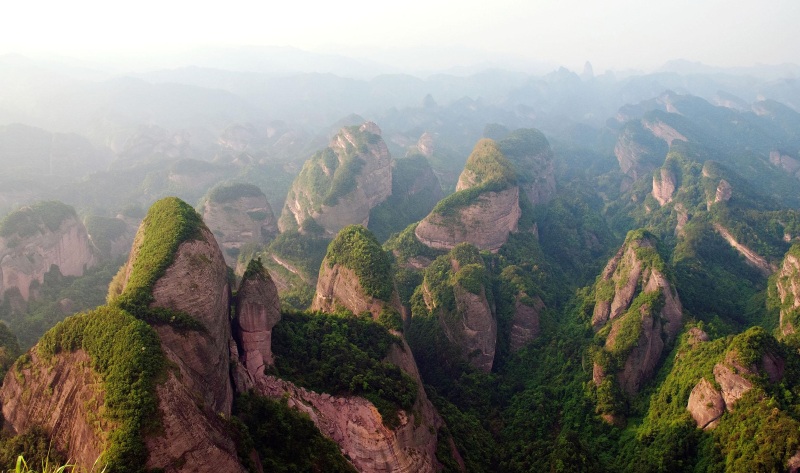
<point>257,311</point>
<point>525,323</point>
<point>637,312</point>
<point>454,292</point>
<point>357,427</point>
<point>787,287</point>
<point>63,396</point>
<point>35,238</point>
<point>484,209</point>
<point>664,186</point>
<point>339,185</point>
<point>238,214</point>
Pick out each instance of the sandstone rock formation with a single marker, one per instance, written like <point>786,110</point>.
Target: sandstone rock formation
<point>355,424</point>
<point>484,209</point>
<point>339,185</point>
<point>525,323</point>
<point>257,311</point>
<point>453,291</point>
<point>706,405</point>
<point>34,238</point>
<point>664,186</point>
<point>751,257</point>
<point>63,397</point>
<point>787,286</point>
<point>638,151</point>
<point>637,312</point>
<point>238,214</point>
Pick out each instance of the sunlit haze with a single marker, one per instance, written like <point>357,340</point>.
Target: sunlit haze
<point>616,34</point>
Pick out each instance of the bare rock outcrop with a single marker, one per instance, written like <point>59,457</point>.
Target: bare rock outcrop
<point>664,186</point>
<point>357,427</point>
<point>637,312</point>
<point>468,321</point>
<point>34,238</point>
<point>785,162</point>
<point>787,286</point>
<point>484,209</point>
<point>638,151</point>
<point>486,223</point>
<point>257,311</point>
<point>706,405</point>
<point>525,323</point>
<point>61,395</point>
<point>753,259</point>
<point>339,185</point>
<point>238,214</point>
<point>197,284</point>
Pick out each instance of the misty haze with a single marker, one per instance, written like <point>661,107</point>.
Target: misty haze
<point>428,237</point>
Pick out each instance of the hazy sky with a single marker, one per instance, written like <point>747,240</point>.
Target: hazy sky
<point>610,33</point>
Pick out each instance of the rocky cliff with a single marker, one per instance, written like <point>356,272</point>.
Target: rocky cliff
<point>238,214</point>
<point>339,185</point>
<point>637,314</point>
<point>257,312</point>
<point>787,288</point>
<point>743,367</point>
<point>454,291</point>
<point>356,275</point>
<point>638,151</point>
<point>484,209</point>
<point>34,238</point>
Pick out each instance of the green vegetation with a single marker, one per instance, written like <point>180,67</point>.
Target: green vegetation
<point>331,174</point>
<point>168,223</point>
<point>523,148</point>
<point>57,297</point>
<point>342,356</point>
<point>231,191</point>
<point>415,191</point>
<point>487,170</point>
<point>9,349</point>
<point>405,245</point>
<point>33,444</point>
<point>305,252</point>
<point>35,218</point>
<point>126,352</point>
<point>285,439</point>
<point>103,231</point>
<point>356,248</point>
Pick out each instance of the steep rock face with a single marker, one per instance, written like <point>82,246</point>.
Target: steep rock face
<point>34,238</point>
<point>787,285</point>
<point>196,283</point>
<point>661,130</point>
<point>638,151</point>
<point>637,312</point>
<point>664,186</point>
<point>476,332</point>
<point>339,286</point>
<point>341,184</point>
<point>785,162</point>
<point>706,405</point>
<point>356,426</point>
<point>238,214</point>
<point>752,258</point>
<point>454,292</point>
<point>62,396</point>
<point>525,323</point>
<point>190,440</point>
<point>484,209</point>
<point>257,311</point>
<point>485,224</point>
